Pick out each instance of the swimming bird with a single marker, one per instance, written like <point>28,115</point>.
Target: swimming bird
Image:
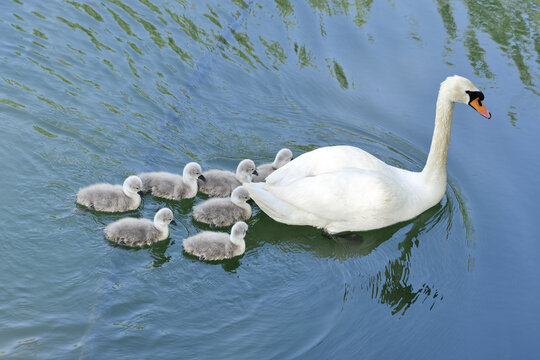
<point>282,157</point>
<point>224,212</point>
<point>211,245</point>
<point>112,198</point>
<point>138,232</point>
<point>172,186</point>
<point>344,188</point>
<point>220,183</point>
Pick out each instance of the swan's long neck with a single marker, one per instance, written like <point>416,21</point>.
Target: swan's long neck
<point>435,170</point>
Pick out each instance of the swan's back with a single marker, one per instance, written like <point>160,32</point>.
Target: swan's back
<point>106,197</point>
<point>324,160</point>
<point>210,245</point>
<point>133,232</point>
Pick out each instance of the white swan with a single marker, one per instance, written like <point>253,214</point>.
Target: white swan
<point>344,188</point>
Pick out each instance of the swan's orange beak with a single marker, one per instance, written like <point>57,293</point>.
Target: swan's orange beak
<point>479,106</point>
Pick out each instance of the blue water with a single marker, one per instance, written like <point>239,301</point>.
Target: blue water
<point>95,91</point>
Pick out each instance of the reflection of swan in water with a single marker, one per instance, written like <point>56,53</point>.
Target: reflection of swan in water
<point>340,247</point>
<point>390,285</point>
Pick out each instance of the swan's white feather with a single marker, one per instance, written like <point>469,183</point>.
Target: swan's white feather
<point>324,160</point>
<point>344,200</point>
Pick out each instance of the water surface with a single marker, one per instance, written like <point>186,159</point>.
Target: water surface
<point>98,90</point>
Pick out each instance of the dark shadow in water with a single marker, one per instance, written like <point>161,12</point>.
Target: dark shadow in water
<point>229,265</point>
<point>390,285</point>
<point>341,246</point>
<point>183,207</point>
<point>132,213</point>
<point>156,251</point>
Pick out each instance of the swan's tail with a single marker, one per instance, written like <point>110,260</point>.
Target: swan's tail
<point>274,207</point>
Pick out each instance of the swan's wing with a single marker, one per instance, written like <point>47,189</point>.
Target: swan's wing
<point>324,160</point>
<point>354,195</point>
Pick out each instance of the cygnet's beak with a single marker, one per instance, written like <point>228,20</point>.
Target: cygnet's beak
<point>255,172</point>
<point>141,193</point>
<point>202,178</point>
<point>173,223</point>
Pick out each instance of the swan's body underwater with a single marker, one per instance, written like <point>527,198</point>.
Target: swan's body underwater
<point>344,188</point>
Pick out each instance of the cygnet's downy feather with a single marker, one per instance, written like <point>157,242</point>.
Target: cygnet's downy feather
<point>283,157</point>
<point>221,183</point>
<point>172,186</point>
<point>138,232</point>
<point>112,198</point>
<point>224,212</point>
<point>210,245</point>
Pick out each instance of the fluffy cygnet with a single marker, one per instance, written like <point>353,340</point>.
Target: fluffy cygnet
<point>283,156</point>
<point>224,212</point>
<point>210,245</point>
<point>173,186</point>
<point>138,232</point>
<point>221,183</point>
<point>112,198</point>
